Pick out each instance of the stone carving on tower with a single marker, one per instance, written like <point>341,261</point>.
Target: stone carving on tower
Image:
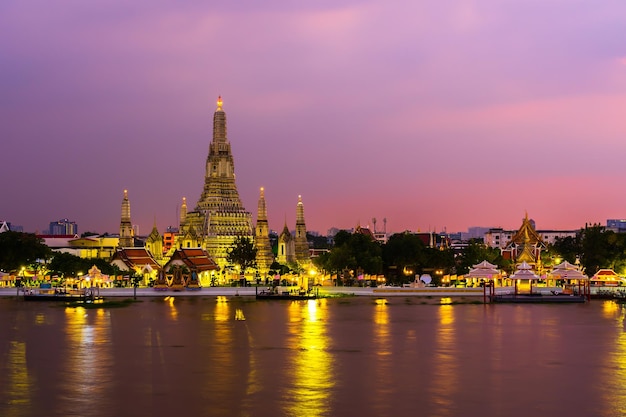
<point>301,245</point>
<point>219,216</point>
<point>126,228</point>
<point>264,255</point>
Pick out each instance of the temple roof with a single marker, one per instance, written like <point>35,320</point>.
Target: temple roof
<point>526,234</point>
<point>196,259</point>
<point>133,258</point>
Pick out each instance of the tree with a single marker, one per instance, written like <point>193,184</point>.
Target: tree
<point>403,252</point>
<point>476,252</point>
<point>353,252</point>
<point>242,253</point>
<point>19,249</point>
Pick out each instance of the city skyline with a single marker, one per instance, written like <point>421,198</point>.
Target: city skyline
<point>433,116</point>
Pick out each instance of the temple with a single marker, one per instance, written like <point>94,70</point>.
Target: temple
<point>525,245</point>
<point>219,216</point>
<point>126,227</point>
<point>264,255</point>
<point>301,245</point>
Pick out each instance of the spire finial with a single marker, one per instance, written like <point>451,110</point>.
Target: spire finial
<point>219,103</point>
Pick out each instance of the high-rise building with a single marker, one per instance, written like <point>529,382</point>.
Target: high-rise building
<point>63,227</point>
<point>219,216</point>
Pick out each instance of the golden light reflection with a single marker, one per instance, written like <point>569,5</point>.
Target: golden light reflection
<point>383,366</point>
<point>446,301</point>
<point>312,364</point>
<point>88,356</point>
<point>40,319</point>
<point>616,360</point>
<point>609,308</point>
<point>444,385</point>
<point>19,383</point>
<point>173,310</point>
<point>222,309</point>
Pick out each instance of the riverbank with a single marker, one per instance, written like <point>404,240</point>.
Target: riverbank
<point>251,292</point>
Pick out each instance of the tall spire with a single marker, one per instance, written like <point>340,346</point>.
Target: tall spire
<point>219,216</point>
<point>183,211</point>
<point>301,243</point>
<point>264,256</point>
<point>126,227</point>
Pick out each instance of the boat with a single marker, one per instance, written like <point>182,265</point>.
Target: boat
<point>276,294</point>
<point>60,294</point>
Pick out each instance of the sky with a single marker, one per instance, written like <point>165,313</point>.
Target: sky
<point>433,115</point>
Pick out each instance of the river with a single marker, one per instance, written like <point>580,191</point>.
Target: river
<point>351,356</point>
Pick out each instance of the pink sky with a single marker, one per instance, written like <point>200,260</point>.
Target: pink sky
<point>432,115</point>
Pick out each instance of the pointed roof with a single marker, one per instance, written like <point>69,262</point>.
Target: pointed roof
<point>285,234</point>
<point>606,275</point>
<point>568,274</point>
<point>133,258</point>
<point>524,271</point>
<point>526,234</point>
<point>196,259</point>
<point>483,270</point>
<point>564,266</point>
<point>485,264</point>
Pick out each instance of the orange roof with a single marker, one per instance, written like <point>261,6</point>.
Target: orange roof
<point>195,258</point>
<point>136,257</point>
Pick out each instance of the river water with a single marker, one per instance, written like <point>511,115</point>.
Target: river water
<point>358,356</point>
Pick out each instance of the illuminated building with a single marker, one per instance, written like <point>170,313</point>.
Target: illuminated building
<point>154,243</point>
<point>264,255</point>
<point>285,247</point>
<point>294,249</point>
<point>219,216</point>
<point>525,245</point>
<point>126,227</point>
<point>301,245</point>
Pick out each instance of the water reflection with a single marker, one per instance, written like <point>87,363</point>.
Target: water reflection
<point>173,310</point>
<point>312,364</point>
<point>615,392</point>
<point>87,373</point>
<point>444,385</point>
<point>384,387</point>
<point>19,382</point>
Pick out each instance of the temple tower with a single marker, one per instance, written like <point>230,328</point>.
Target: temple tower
<point>183,212</point>
<point>219,217</point>
<point>301,245</point>
<point>264,256</point>
<point>286,247</point>
<point>154,243</point>
<point>126,227</point>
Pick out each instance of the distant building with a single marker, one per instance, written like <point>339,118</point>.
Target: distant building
<point>63,227</point>
<point>499,238</point>
<point>616,225</point>
<point>7,226</point>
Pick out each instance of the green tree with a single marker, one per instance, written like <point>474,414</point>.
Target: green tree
<point>66,264</point>
<point>242,253</point>
<point>476,252</point>
<point>19,250</point>
<point>404,253</point>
